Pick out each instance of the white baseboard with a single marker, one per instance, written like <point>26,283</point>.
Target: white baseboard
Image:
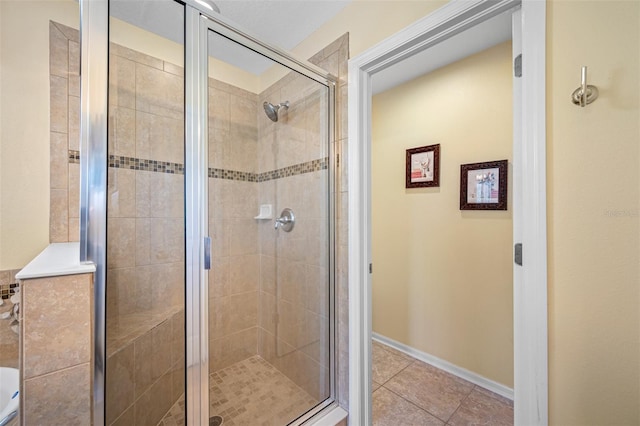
<point>463,373</point>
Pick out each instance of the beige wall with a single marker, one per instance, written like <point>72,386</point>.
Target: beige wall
<point>24,125</point>
<point>593,199</point>
<point>24,115</point>
<point>368,22</point>
<point>594,274</point>
<point>24,119</point>
<point>593,258</point>
<point>443,277</point>
<point>1,107</point>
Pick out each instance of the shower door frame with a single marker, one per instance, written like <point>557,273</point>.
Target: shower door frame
<point>220,25</point>
<point>93,214</point>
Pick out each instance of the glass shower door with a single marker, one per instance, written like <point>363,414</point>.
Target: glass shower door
<point>145,280</point>
<point>270,283</point>
<point>250,341</point>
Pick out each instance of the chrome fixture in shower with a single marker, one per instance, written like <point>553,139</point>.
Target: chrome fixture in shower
<point>209,4</point>
<point>286,220</point>
<point>272,110</point>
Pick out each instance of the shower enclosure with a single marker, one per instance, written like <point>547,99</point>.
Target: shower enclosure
<point>214,290</point>
<point>269,221</point>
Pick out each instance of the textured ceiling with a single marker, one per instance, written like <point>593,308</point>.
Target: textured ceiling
<point>476,39</point>
<point>286,23</point>
<point>282,23</point>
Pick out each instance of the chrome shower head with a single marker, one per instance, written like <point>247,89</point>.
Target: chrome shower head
<point>272,110</point>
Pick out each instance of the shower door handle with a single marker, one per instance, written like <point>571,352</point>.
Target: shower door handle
<point>207,253</point>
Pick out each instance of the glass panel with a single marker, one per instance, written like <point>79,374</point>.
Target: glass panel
<point>269,322</point>
<point>145,219</point>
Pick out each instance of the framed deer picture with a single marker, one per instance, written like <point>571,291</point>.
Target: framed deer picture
<point>423,167</point>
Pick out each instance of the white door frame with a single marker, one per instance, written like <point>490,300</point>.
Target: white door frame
<point>530,280</point>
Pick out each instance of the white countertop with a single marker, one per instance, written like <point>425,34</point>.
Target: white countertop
<point>56,260</point>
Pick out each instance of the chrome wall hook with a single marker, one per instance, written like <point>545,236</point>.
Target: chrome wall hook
<point>586,93</point>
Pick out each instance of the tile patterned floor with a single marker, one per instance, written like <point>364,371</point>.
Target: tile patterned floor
<point>250,392</point>
<point>406,392</point>
<point>253,392</point>
<point>409,392</point>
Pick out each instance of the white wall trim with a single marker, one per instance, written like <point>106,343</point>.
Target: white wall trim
<point>458,371</point>
<point>530,294</point>
<point>530,286</point>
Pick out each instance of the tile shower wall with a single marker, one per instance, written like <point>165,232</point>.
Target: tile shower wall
<point>283,164</point>
<point>145,324</point>
<point>64,79</point>
<point>145,227</point>
<point>260,274</point>
<point>233,201</point>
<point>294,298</point>
<point>333,58</point>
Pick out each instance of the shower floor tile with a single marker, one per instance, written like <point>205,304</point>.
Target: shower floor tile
<point>253,392</point>
<point>250,392</point>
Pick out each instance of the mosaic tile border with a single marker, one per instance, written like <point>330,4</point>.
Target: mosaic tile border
<point>132,163</point>
<point>74,157</point>
<point>8,290</point>
<point>8,283</point>
<point>232,175</point>
<point>296,169</point>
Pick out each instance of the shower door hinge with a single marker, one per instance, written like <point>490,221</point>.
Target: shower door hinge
<point>337,160</point>
<point>371,268</point>
<point>517,66</point>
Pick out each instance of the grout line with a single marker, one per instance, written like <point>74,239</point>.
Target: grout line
<point>460,404</point>
<point>382,385</point>
<point>50,373</point>
<point>446,422</point>
<point>399,371</point>
<point>448,368</point>
<point>415,405</point>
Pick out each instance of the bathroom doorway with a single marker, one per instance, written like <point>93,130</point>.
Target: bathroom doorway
<point>216,274</point>
<point>442,298</point>
<point>529,287</point>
